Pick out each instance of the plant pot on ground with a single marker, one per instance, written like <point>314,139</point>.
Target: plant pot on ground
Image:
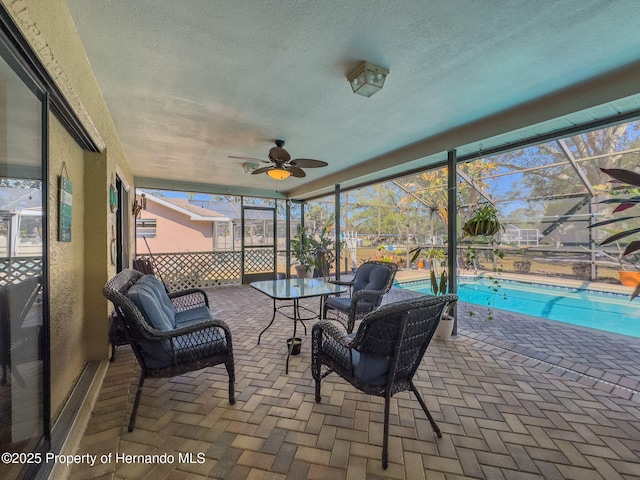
<point>304,271</point>
<point>445,328</point>
<point>439,286</point>
<point>303,248</point>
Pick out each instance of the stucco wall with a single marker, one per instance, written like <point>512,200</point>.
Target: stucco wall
<point>66,272</point>
<point>80,268</point>
<point>175,232</point>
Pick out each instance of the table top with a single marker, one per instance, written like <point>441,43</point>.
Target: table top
<point>294,288</point>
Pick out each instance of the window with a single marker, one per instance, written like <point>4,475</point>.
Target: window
<point>146,227</point>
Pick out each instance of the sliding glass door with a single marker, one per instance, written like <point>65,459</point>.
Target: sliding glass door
<point>22,229</point>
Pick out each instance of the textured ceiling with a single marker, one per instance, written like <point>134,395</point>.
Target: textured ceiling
<point>189,83</point>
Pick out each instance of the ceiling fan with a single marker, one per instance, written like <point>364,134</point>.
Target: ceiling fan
<point>282,166</point>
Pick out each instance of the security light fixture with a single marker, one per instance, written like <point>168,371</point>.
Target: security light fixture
<point>367,78</point>
<point>278,173</point>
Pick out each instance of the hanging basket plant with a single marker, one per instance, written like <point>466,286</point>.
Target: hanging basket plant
<point>484,222</point>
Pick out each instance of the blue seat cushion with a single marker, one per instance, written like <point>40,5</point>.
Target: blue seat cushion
<point>145,296</point>
<point>193,315</point>
<point>369,369</point>
<point>371,277</point>
<point>343,304</point>
<point>158,354</point>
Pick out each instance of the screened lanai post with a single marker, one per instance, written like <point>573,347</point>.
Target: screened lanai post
<point>337,231</point>
<point>452,241</point>
<point>592,238</point>
<point>287,238</point>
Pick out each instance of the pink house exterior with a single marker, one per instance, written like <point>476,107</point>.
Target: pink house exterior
<point>172,225</point>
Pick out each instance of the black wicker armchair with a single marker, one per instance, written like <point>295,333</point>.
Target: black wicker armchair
<point>170,334</point>
<point>383,356</point>
<point>371,282</point>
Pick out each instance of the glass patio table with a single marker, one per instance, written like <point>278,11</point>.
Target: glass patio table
<point>292,290</point>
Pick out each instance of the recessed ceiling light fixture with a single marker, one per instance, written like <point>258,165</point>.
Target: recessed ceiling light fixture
<point>278,173</point>
<point>367,78</point>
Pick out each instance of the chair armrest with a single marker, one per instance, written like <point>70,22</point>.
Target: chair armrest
<point>365,297</point>
<point>328,328</point>
<point>187,299</point>
<point>346,283</point>
<point>333,344</point>
<point>150,333</point>
<point>196,341</point>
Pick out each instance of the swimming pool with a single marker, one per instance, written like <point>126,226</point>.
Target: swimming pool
<point>610,312</point>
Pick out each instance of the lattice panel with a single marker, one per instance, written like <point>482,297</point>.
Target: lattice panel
<point>180,271</point>
<point>257,260</point>
<point>17,269</point>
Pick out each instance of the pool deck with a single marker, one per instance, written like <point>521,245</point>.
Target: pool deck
<point>570,349</point>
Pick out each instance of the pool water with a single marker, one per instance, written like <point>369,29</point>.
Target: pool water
<point>610,312</point>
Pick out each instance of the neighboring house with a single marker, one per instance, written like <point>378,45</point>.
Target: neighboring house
<point>172,225</point>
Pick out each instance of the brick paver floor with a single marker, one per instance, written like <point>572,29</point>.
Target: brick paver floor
<point>518,398</point>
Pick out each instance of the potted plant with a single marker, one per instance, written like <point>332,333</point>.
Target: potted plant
<point>323,249</point>
<point>439,286</point>
<point>484,221</point>
<point>303,248</point>
<point>632,181</point>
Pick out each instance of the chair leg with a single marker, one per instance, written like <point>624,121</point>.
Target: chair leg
<point>132,419</point>
<point>232,379</point>
<point>316,370</point>
<point>385,439</point>
<point>433,423</point>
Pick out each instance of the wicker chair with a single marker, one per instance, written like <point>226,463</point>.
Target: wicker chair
<point>383,356</point>
<point>196,342</point>
<point>371,282</point>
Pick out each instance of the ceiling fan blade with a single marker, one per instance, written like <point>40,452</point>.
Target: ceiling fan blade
<point>307,163</point>
<point>295,171</point>
<point>250,158</point>
<point>278,153</point>
<point>258,171</point>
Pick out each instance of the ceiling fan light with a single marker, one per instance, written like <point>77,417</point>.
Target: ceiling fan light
<point>367,78</point>
<point>278,173</point>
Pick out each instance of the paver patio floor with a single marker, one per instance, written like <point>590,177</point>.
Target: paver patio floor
<point>519,398</point>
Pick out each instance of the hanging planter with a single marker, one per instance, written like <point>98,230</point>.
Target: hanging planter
<point>481,227</point>
<point>484,222</point>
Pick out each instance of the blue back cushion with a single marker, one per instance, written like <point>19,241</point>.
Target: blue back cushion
<point>369,369</point>
<point>371,277</point>
<point>149,296</point>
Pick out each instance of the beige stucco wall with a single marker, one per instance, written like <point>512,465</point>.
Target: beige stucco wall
<point>80,268</point>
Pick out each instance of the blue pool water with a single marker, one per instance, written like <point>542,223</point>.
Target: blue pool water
<point>610,312</point>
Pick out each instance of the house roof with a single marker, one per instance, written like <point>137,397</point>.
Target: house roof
<point>190,83</point>
<point>183,206</point>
